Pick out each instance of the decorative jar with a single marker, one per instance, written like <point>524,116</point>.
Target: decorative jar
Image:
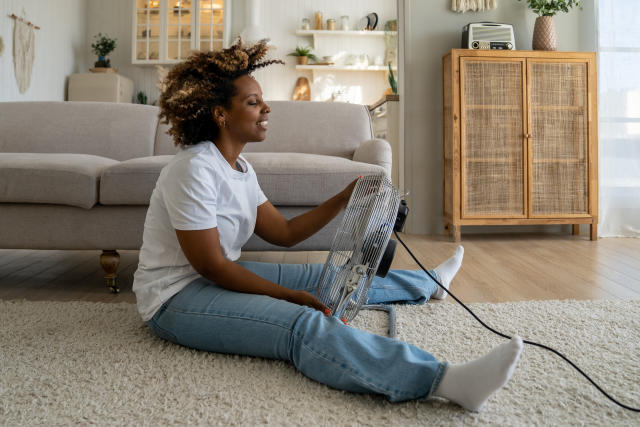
<point>344,23</point>
<point>318,20</point>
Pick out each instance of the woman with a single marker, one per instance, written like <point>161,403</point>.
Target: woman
<point>191,289</point>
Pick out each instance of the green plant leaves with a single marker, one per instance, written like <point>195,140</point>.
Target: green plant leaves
<point>392,81</point>
<point>303,51</point>
<point>103,44</point>
<point>551,7</point>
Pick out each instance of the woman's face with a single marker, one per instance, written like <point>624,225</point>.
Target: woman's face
<point>247,119</point>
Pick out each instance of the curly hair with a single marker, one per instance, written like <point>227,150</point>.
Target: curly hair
<point>203,81</point>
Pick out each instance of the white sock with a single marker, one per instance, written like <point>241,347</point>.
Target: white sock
<point>470,384</point>
<point>446,272</point>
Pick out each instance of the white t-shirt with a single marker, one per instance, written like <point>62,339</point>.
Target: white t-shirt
<point>197,190</point>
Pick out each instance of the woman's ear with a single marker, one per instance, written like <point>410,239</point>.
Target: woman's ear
<point>219,116</point>
<point>217,113</point>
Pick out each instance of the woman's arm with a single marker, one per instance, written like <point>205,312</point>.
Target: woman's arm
<point>203,251</point>
<point>276,229</point>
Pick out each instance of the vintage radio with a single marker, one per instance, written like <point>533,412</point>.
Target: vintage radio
<point>488,35</point>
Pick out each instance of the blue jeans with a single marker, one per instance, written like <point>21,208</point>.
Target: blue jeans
<point>207,317</point>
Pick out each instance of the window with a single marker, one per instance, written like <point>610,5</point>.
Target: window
<point>619,117</point>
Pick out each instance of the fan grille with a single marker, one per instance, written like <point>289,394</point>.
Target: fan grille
<point>360,242</point>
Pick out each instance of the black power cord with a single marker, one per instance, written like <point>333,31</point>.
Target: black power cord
<point>508,337</point>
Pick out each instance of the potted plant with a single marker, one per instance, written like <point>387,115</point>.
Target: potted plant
<point>303,53</point>
<point>544,31</point>
<point>141,98</point>
<point>102,46</point>
<point>393,83</point>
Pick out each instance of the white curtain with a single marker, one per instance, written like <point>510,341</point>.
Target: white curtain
<point>619,117</point>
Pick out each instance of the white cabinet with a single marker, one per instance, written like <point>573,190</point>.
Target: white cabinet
<point>167,31</point>
<point>102,87</point>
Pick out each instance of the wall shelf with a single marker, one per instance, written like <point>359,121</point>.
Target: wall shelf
<point>343,33</point>
<point>344,67</point>
<point>340,68</point>
<point>331,37</point>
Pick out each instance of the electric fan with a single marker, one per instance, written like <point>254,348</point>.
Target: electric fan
<point>362,249</point>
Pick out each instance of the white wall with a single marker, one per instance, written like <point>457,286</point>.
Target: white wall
<point>60,47</point>
<point>432,30</point>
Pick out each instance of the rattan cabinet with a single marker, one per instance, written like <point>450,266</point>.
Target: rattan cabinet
<point>519,139</point>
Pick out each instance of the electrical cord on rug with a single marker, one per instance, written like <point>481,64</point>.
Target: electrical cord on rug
<point>508,337</point>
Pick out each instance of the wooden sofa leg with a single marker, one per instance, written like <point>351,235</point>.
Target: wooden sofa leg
<point>110,260</point>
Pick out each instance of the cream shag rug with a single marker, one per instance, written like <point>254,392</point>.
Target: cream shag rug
<point>88,363</point>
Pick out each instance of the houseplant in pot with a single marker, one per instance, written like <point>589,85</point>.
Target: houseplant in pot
<point>303,53</point>
<point>102,47</point>
<point>545,36</point>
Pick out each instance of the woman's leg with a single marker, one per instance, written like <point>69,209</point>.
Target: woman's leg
<point>403,287</point>
<point>415,286</point>
<point>207,317</point>
<point>399,286</point>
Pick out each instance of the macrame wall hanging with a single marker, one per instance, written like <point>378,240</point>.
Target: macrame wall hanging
<point>473,5</point>
<point>23,50</point>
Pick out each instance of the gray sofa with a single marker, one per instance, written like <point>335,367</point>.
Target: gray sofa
<point>79,175</point>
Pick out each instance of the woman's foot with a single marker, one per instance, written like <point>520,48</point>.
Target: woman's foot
<point>446,272</point>
<point>470,384</point>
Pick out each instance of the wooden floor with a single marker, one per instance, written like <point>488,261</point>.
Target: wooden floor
<point>496,268</point>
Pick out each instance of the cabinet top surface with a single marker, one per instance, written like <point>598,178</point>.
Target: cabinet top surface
<point>519,53</point>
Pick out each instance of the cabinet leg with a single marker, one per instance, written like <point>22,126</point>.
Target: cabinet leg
<point>455,232</point>
<point>576,229</point>
<point>110,260</point>
<point>594,232</point>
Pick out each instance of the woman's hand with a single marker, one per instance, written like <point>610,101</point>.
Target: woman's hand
<point>305,298</point>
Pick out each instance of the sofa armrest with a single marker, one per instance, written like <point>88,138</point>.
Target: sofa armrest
<point>376,152</point>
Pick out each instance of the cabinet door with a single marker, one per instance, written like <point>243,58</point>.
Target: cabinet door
<point>492,148</point>
<point>147,28</point>
<point>179,29</point>
<point>211,25</point>
<point>558,143</point>
<point>167,31</point>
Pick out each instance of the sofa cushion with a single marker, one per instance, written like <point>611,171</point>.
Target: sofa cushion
<point>60,179</point>
<point>287,179</point>
<point>131,182</point>
<point>164,142</point>
<point>327,128</point>
<point>298,179</point>
<point>118,131</point>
